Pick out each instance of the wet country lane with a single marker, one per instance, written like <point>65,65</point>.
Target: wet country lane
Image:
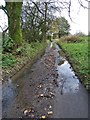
<point>49,89</point>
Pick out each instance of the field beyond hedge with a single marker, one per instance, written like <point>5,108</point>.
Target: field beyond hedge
<point>77,50</point>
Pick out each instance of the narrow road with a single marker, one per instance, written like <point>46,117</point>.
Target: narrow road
<point>49,89</point>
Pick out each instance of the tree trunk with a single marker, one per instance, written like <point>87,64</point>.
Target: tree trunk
<point>45,20</point>
<point>14,10</point>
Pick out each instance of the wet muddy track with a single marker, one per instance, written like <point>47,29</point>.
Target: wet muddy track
<point>48,89</point>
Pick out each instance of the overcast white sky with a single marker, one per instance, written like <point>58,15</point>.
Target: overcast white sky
<point>79,16</point>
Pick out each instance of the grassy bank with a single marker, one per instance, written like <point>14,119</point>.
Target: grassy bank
<point>13,62</point>
<point>77,50</point>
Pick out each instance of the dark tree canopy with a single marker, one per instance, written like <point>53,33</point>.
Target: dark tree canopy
<point>64,27</point>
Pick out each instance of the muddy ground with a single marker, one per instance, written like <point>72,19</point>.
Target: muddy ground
<point>49,89</point>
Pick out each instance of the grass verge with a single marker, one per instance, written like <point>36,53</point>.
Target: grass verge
<point>13,62</point>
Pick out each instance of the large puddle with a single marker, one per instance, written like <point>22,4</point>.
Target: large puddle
<point>68,81</point>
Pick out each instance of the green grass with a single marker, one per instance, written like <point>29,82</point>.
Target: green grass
<point>0,53</point>
<point>34,48</point>
<point>8,60</point>
<point>78,54</point>
<point>27,51</point>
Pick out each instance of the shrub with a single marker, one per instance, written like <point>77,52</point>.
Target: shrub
<point>80,34</point>
<point>7,44</point>
<point>70,38</point>
<point>8,60</point>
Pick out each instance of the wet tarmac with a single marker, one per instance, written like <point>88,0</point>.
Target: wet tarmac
<point>49,89</point>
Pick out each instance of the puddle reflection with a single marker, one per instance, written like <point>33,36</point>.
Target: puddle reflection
<point>68,81</point>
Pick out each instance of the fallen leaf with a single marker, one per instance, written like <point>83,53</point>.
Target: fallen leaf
<point>17,85</point>
<point>41,95</point>
<point>43,117</point>
<point>40,86</point>
<point>50,106</point>
<point>26,112</point>
<point>31,110</point>
<point>52,94</point>
<point>50,113</point>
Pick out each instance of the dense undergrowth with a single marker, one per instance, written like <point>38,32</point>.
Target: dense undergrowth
<point>17,58</point>
<point>77,49</point>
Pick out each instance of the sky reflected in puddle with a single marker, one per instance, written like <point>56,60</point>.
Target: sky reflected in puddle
<point>68,82</point>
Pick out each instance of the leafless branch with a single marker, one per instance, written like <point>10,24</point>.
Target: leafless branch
<point>80,2</point>
<point>69,10</point>
<point>37,8</point>
<point>3,8</point>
